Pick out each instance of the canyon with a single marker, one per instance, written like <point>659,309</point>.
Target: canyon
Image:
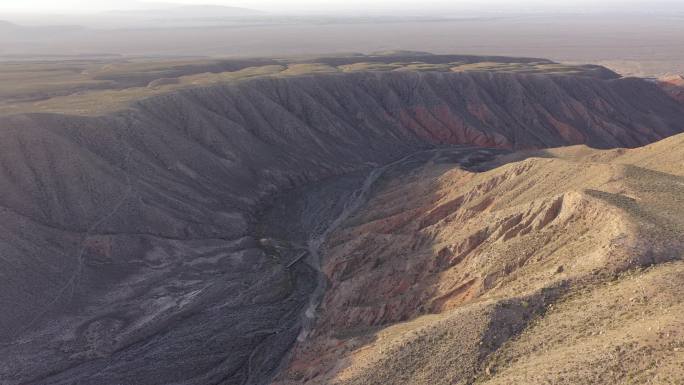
<point>354,228</point>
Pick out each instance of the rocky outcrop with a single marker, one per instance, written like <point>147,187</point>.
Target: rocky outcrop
<point>131,237</point>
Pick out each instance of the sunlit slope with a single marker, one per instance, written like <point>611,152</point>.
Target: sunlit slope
<point>563,269</point>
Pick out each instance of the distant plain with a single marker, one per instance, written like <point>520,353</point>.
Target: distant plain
<point>96,86</point>
<point>630,44</point>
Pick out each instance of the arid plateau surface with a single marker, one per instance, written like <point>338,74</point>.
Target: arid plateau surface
<point>399,218</point>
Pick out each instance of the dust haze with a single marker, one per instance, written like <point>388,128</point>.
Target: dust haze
<point>628,37</point>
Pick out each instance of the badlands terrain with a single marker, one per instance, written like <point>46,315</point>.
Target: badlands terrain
<point>394,218</point>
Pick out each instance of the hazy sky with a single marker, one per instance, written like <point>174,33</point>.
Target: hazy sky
<point>80,6</point>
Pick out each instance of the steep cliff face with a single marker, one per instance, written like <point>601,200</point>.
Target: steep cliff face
<point>132,237</point>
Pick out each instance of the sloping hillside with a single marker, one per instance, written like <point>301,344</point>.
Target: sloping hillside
<point>137,236</point>
<point>563,269</point>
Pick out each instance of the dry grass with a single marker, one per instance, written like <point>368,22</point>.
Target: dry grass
<point>308,69</point>
<point>364,66</point>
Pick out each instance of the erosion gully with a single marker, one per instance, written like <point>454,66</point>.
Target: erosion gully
<point>295,228</point>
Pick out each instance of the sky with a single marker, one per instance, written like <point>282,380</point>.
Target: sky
<point>85,6</point>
